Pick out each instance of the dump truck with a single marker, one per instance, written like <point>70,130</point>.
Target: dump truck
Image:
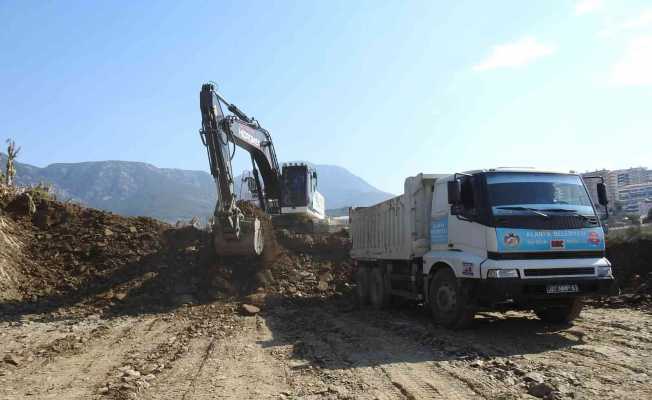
<point>493,239</point>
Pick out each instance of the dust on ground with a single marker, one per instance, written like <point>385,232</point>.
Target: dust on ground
<point>98,306</point>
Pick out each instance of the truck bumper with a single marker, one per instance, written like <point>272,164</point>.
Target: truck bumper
<point>529,291</point>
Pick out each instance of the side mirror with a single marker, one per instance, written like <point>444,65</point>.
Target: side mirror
<point>602,194</point>
<point>454,192</point>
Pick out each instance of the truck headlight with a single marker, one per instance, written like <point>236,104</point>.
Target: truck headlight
<point>604,271</point>
<point>502,273</point>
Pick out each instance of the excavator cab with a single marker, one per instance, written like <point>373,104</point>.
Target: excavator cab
<point>299,193</point>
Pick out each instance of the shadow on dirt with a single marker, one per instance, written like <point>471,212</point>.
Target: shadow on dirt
<point>333,334</point>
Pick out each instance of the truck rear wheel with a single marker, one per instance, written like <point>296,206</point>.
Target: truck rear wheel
<point>562,314</point>
<point>379,291</point>
<point>449,300</point>
<point>362,279</point>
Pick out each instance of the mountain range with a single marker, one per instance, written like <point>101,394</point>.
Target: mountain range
<point>136,188</point>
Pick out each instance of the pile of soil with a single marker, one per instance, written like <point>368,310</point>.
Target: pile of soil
<point>632,267</point>
<point>95,260</point>
<point>631,259</point>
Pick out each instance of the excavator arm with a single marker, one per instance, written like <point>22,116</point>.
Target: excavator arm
<point>234,233</point>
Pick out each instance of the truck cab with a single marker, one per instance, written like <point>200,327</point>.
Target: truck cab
<point>522,238</point>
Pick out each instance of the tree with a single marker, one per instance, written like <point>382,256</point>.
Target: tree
<point>12,153</point>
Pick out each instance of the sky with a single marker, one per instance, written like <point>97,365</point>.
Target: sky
<point>386,89</point>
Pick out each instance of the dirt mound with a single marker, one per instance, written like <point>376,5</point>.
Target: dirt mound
<point>65,254</point>
<point>12,259</point>
<point>631,259</point>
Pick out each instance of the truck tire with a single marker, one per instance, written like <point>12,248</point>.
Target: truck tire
<point>449,300</point>
<point>379,290</point>
<point>362,291</point>
<point>563,314</point>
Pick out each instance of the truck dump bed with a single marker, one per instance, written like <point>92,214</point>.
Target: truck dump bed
<point>398,228</point>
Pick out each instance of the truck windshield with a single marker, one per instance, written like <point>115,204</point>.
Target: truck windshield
<point>512,193</point>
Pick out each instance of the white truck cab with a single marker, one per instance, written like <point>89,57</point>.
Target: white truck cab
<point>486,239</point>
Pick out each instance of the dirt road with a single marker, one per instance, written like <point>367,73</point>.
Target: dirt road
<point>323,350</point>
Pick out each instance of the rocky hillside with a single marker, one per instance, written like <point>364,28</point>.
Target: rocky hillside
<point>134,188</point>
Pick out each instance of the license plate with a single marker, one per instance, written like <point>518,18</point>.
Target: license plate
<point>570,288</point>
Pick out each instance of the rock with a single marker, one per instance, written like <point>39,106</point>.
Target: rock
<point>322,286</point>
<point>108,232</point>
<point>120,295</point>
<point>11,359</point>
<point>257,299</point>
<point>131,372</point>
<point>326,277</point>
<point>533,377</point>
<point>477,363</point>
<point>541,390</point>
<point>250,309</point>
<point>133,229</point>
<point>509,381</point>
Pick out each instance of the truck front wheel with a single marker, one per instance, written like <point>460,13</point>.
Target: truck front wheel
<point>561,314</point>
<point>449,300</point>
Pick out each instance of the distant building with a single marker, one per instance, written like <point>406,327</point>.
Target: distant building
<point>615,180</point>
<point>635,198</point>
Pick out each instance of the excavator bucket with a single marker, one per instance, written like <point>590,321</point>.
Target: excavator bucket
<point>250,243</point>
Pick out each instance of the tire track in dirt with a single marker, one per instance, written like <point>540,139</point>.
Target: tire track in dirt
<point>336,341</point>
<point>75,373</point>
<point>216,367</point>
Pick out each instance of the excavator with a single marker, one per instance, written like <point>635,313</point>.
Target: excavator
<point>280,191</point>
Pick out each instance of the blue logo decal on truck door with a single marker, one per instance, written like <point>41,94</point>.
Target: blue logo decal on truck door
<point>439,230</point>
<point>510,239</point>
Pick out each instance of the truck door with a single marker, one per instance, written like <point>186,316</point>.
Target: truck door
<point>465,231</point>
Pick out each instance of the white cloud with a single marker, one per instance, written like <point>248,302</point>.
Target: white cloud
<point>587,6</point>
<point>635,68</point>
<point>641,21</point>
<point>515,54</point>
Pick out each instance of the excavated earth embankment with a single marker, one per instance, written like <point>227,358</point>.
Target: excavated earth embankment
<point>98,306</point>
